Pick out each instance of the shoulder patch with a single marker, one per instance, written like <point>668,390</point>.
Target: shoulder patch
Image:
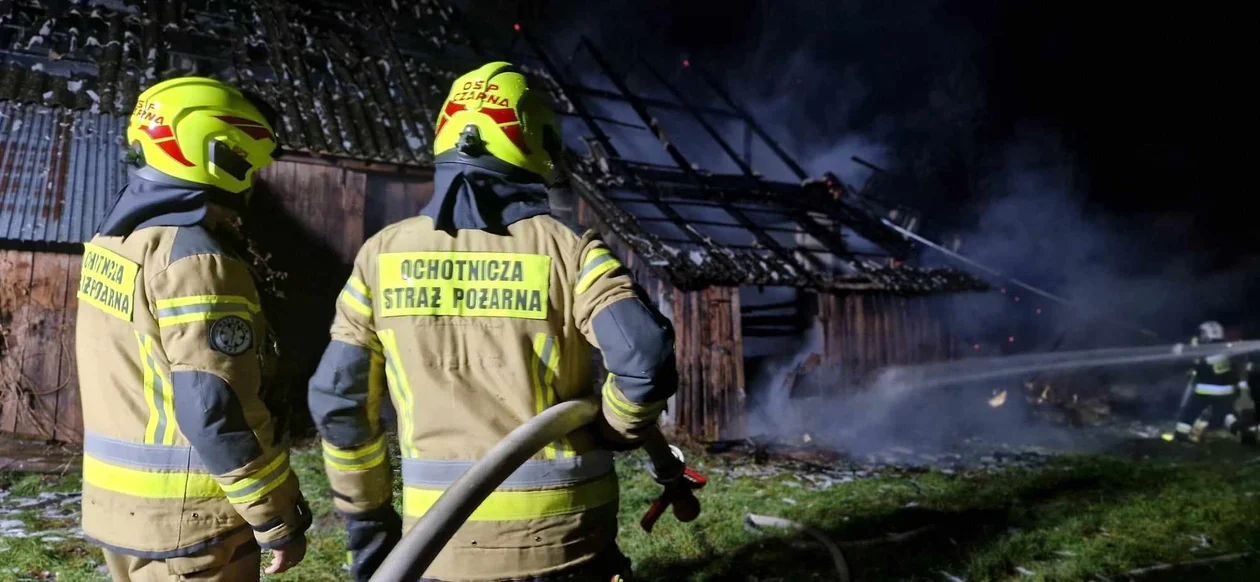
<point>231,335</point>
<point>194,240</point>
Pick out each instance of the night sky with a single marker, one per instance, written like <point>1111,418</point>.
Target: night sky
<point>1141,108</point>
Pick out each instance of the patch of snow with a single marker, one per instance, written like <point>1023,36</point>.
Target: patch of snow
<point>1025,571</point>
<point>414,142</point>
<point>46,29</point>
<point>91,41</point>
<point>48,95</point>
<point>696,257</point>
<point>94,96</point>
<point>17,126</point>
<point>38,67</point>
<point>74,86</point>
<point>52,539</point>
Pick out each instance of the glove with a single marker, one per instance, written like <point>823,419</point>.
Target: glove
<point>608,439</point>
<point>680,493</point>
<point>370,538</point>
<point>680,482</point>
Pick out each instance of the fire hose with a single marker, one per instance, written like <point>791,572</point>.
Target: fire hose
<point>420,546</point>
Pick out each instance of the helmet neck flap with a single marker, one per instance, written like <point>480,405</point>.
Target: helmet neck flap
<point>482,193</point>
<point>152,198</point>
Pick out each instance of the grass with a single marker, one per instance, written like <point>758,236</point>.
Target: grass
<point>1075,519</point>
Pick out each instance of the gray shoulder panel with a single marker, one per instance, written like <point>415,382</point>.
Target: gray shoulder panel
<point>211,418</point>
<point>194,240</point>
<point>638,347</point>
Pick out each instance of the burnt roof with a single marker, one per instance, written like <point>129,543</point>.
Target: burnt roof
<point>364,80</point>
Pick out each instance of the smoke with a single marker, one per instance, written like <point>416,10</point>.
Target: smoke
<point>923,90</point>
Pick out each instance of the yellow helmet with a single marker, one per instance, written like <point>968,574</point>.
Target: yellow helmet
<point>491,113</point>
<point>203,131</point>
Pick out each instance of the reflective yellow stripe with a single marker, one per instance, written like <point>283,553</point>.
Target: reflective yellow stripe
<point>262,491</point>
<point>595,273</point>
<point>360,286</point>
<point>625,409</point>
<point>355,304</point>
<point>194,308</point>
<point>365,457</point>
<point>208,299</point>
<point>519,505</point>
<point>158,395</point>
<point>543,377</point>
<point>148,484</point>
<point>396,378</point>
<point>260,482</point>
<point>253,478</point>
<point>150,428</point>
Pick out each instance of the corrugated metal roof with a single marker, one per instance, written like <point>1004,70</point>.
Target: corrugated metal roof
<point>351,78</point>
<point>58,170</point>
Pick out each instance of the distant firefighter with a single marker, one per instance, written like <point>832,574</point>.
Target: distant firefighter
<point>1219,382</point>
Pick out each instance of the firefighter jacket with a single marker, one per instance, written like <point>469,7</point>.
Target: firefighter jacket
<point>180,448</point>
<point>1219,374</point>
<point>473,332</point>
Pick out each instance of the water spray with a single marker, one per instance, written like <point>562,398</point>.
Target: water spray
<point>1017,282</point>
<point>983,369</point>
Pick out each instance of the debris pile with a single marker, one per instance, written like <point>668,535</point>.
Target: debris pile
<point>819,468</point>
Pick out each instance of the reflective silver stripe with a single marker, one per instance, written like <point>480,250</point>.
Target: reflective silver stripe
<point>372,456</point>
<point>1214,389</point>
<point>429,474</point>
<point>279,472</point>
<point>361,298</point>
<point>547,391</point>
<point>543,358</point>
<point>159,398</point>
<point>204,308</point>
<point>590,266</point>
<point>140,455</point>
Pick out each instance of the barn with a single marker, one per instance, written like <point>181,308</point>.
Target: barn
<point>756,267</point>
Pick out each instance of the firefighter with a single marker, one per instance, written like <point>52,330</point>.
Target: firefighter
<point>1242,420</point>
<point>1215,382</point>
<point>477,315</point>
<point>185,468</point>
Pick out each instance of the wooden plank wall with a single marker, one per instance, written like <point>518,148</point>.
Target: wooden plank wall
<point>863,333</point>
<point>308,216</point>
<point>391,198</point>
<point>710,404</point>
<point>38,389</point>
